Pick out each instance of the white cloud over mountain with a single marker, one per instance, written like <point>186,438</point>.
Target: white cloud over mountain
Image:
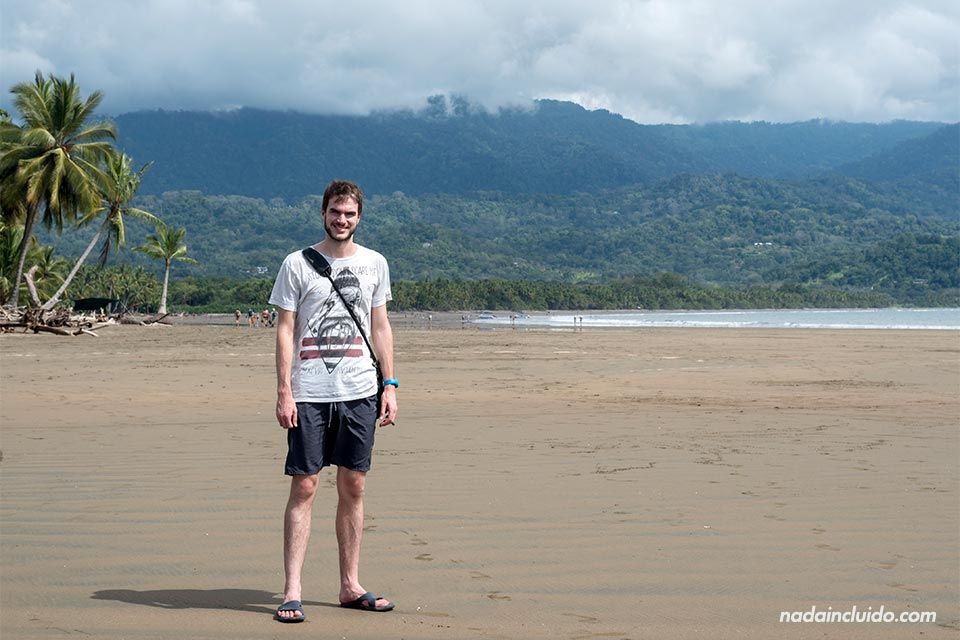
<point>654,61</point>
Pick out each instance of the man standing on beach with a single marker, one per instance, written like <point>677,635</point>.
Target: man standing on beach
<point>327,389</point>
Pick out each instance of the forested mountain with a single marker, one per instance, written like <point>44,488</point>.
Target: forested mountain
<point>930,158</point>
<point>727,229</point>
<point>565,195</point>
<point>454,147</point>
<point>795,150</point>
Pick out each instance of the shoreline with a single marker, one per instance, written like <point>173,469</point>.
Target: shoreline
<point>539,320</point>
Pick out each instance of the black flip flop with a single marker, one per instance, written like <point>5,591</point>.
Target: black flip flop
<point>367,602</point>
<point>292,605</point>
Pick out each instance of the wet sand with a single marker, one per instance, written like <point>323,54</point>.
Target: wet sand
<point>603,484</point>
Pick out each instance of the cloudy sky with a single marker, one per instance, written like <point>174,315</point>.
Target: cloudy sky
<point>652,61</point>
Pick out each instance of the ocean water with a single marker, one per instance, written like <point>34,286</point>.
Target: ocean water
<point>940,318</point>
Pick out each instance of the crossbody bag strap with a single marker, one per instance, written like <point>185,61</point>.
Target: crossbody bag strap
<point>321,266</point>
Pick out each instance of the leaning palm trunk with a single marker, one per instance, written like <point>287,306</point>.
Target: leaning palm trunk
<point>49,304</point>
<point>31,285</point>
<point>28,225</point>
<point>163,296</point>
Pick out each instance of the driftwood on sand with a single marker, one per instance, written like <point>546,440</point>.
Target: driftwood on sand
<point>65,322</point>
<point>146,322</point>
<point>61,322</point>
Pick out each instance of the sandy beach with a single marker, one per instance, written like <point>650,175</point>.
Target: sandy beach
<point>665,483</point>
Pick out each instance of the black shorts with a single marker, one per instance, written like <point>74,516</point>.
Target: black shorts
<point>339,433</point>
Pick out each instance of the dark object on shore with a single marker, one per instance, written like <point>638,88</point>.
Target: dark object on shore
<point>103,305</point>
<point>144,322</point>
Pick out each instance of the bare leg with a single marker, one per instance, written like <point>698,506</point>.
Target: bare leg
<point>350,486</point>
<point>296,534</point>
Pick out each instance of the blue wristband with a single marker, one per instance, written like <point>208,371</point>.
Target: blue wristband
<point>391,381</point>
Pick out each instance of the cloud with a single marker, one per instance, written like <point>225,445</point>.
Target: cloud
<point>653,61</point>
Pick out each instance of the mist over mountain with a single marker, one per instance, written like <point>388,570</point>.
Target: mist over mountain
<point>455,147</point>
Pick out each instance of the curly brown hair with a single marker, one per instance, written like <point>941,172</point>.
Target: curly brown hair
<point>343,189</point>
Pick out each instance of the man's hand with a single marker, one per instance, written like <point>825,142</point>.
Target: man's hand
<point>287,411</point>
<point>388,406</point>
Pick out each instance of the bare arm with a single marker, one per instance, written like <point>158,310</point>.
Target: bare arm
<point>286,407</point>
<point>382,334</point>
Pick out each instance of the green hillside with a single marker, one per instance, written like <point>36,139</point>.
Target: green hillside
<point>727,230</point>
<point>934,158</point>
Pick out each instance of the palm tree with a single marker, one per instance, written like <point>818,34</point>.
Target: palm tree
<point>50,269</point>
<point>167,245</point>
<point>50,162</point>
<point>10,238</point>
<point>118,187</point>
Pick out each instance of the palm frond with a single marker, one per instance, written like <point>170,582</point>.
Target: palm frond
<point>10,134</point>
<point>96,132</point>
<point>56,175</point>
<point>105,250</point>
<point>32,100</point>
<point>140,214</point>
<point>38,138</point>
<point>91,215</point>
<point>81,111</point>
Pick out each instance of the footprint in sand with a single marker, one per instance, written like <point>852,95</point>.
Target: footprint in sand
<point>771,516</point>
<point>818,530</point>
<point>827,547</point>
<point>892,562</point>
<point>496,595</point>
<point>952,624</point>
<point>476,575</point>
<point>900,585</point>
<point>418,542</point>
<point>581,618</point>
<point>424,556</point>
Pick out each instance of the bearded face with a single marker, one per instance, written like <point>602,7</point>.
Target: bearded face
<point>340,219</point>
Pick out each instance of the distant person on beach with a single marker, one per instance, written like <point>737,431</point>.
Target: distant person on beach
<point>250,316</point>
<point>236,316</point>
<point>265,318</point>
<point>327,389</point>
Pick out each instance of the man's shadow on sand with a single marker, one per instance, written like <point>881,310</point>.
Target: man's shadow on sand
<point>236,599</point>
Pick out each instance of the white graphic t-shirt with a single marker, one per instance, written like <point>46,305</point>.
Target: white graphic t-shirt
<point>331,362</point>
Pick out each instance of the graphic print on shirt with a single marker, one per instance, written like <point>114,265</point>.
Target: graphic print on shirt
<point>332,334</point>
